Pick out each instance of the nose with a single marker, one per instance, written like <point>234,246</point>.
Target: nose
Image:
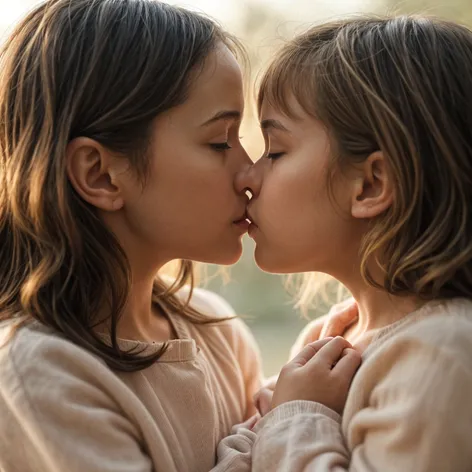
<point>249,179</point>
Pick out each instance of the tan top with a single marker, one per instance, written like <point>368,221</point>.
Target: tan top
<point>409,407</point>
<point>62,409</point>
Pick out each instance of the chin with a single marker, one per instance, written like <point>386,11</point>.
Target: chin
<point>229,259</point>
<point>271,262</point>
<point>223,255</point>
<point>268,262</point>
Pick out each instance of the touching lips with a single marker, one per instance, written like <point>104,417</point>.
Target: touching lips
<point>250,218</point>
<point>245,222</point>
<point>242,222</point>
<point>252,226</point>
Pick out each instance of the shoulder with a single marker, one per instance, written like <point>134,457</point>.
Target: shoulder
<point>71,406</point>
<point>413,392</point>
<point>233,329</point>
<point>34,357</point>
<point>233,332</point>
<point>217,308</point>
<point>425,363</point>
<point>35,341</point>
<point>209,303</point>
<point>443,330</point>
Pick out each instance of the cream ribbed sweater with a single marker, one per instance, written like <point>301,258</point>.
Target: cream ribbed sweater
<point>409,408</point>
<point>62,409</point>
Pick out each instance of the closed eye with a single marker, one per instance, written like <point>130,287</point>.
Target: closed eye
<point>274,155</point>
<point>220,146</point>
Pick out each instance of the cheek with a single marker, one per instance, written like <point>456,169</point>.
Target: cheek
<point>192,179</point>
<point>291,198</point>
<point>190,193</point>
<point>299,222</point>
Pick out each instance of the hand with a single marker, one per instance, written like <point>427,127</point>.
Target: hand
<point>322,372</point>
<point>339,318</point>
<point>335,323</point>
<point>263,398</point>
<point>248,424</point>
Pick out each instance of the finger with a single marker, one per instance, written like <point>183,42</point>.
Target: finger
<point>258,394</point>
<point>310,333</point>
<point>337,322</point>
<point>340,317</point>
<point>313,330</point>
<point>331,352</point>
<point>349,363</point>
<point>248,424</point>
<point>263,401</point>
<point>342,305</point>
<point>308,352</point>
<point>269,384</point>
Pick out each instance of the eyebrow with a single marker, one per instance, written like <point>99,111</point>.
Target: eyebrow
<point>224,115</point>
<point>275,124</point>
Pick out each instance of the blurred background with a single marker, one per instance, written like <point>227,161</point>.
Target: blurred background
<point>262,299</point>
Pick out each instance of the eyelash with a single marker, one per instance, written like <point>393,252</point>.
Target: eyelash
<point>275,155</point>
<point>220,147</point>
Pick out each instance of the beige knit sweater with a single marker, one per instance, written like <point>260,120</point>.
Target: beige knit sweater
<point>409,407</point>
<point>64,410</point>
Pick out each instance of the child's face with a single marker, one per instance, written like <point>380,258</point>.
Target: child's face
<point>297,226</point>
<point>189,204</point>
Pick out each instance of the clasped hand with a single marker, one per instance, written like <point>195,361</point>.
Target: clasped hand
<point>322,372</point>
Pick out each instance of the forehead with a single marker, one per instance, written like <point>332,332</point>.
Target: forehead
<point>218,85</point>
<point>290,112</point>
<point>285,102</point>
<point>297,122</point>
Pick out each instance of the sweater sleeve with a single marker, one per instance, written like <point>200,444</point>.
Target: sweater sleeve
<point>417,417</point>
<point>60,414</point>
<point>234,453</point>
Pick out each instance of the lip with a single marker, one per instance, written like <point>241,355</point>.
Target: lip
<point>242,223</point>
<point>252,229</point>
<point>252,226</point>
<point>241,218</point>
<point>250,218</point>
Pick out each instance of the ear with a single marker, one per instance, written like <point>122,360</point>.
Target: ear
<point>373,190</point>
<point>93,172</point>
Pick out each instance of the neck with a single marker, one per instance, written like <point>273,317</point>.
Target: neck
<point>377,308</point>
<point>141,319</point>
<point>138,310</point>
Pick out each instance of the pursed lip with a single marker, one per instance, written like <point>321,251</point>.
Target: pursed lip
<point>250,218</point>
<point>243,217</point>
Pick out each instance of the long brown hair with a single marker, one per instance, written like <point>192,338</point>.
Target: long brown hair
<point>103,69</point>
<point>402,85</point>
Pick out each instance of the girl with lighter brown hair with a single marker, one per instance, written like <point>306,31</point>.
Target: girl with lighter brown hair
<point>367,176</point>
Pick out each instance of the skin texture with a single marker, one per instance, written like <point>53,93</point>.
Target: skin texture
<point>301,224</point>
<point>188,205</point>
<point>296,226</point>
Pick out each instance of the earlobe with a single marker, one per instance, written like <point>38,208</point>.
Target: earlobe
<point>90,173</point>
<point>373,188</point>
